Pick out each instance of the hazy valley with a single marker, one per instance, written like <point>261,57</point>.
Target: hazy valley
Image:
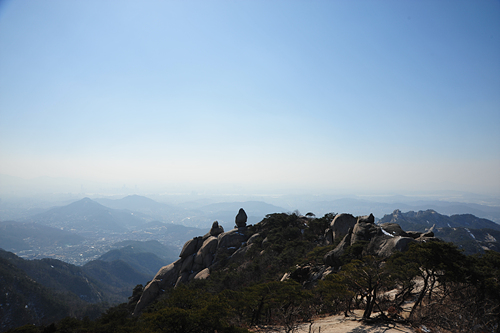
<point>85,229</point>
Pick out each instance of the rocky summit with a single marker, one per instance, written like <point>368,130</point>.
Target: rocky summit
<point>383,240</point>
<point>198,256</point>
<point>201,255</point>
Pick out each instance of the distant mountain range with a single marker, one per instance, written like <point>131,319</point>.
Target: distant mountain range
<point>140,218</point>
<point>87,214</point>
<point>200,211</point>
<point>138,203</point>
<point>135,212</point>
<point>467,231</point>
<point>358,206</point>
<point>422,220</point>
<point>84,230</point>
<point>198,216</point>
<point>149,209</point>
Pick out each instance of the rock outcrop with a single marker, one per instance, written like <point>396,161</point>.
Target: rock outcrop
<point>198,256</point>
<point>166,277</point>
<point>308,275</point>
<point>190,247</point>
<point>339,227</point>
<point>382,240</point>
<point>232,240</point>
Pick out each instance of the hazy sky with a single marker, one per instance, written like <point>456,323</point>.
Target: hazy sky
<point>373,96</point>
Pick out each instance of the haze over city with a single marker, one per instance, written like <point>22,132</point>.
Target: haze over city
<point>250,96</point>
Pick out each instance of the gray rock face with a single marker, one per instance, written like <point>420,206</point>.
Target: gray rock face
<point>191,247</point>
<point>239,254</point>
<point>332,257</point>
<point>205,254</point>
<point>232,239</point>
<point>395,229</point>
<point>202,275</point>
<point>187,264</point>
<point>383,240</point>
<point>328,236</point>
<point>398,243</point>
<point>208,246</point>
<point>307,275</point>
<point>366,219</point>
<point>364,231</point>
<point>166,277</point>
<point>428,233</point>
<point>207,260</point>
<point>196,258</point>
<point>341,225</point>
<point>241,219</point>
<point>183,278</point>
<point>414,234</point>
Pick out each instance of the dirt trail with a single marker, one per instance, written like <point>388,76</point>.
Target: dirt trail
<point>341,324</point>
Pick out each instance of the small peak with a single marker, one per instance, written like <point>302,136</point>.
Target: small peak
<point>85,201</point>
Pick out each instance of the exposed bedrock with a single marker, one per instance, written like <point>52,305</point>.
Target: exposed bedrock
<point>383,240</point>
<point>197,257</point>
<point>201,255</point>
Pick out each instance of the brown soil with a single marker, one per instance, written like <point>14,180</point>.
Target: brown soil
<point>341,324</point>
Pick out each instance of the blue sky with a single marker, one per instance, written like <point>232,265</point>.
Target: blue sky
<point>320,96</point>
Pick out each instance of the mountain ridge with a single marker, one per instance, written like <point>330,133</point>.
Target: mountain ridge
<point>86,214</point>
<point>278,256</point>
<point>429,217</point>
<point>468,232</point>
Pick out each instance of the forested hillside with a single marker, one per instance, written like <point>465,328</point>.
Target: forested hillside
<point>47,290</point>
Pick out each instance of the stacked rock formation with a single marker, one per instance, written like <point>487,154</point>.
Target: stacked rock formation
<point>241,219</point>
<point>197,258</point>
<point>382,239</point>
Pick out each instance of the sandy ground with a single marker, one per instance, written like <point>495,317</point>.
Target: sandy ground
<point>351,324</point>
<point>341,324</point>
